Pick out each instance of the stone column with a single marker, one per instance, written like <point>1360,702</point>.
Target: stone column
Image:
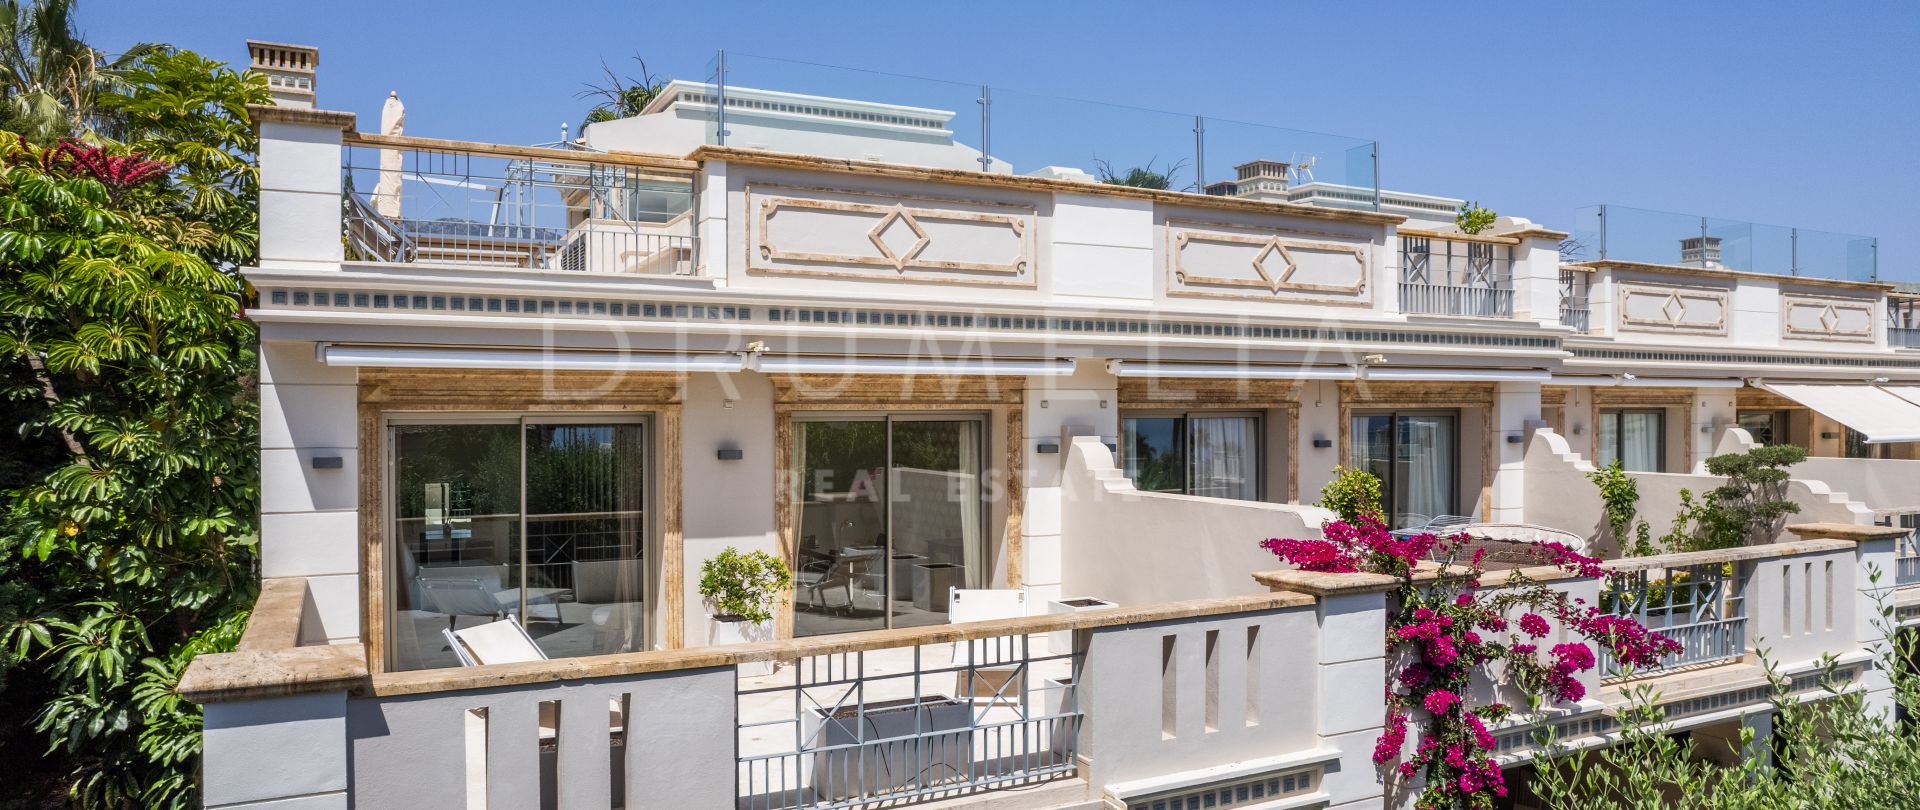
<point>1351,664</point>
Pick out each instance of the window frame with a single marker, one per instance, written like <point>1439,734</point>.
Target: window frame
<point>651,530</point>
<point>1259,442</point>
<point>1619,435</point>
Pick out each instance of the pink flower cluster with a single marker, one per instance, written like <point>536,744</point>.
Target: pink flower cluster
<point>1628,641</point>
<point>1312,555</point>
<point>1442,625</point>
<point>1363,545</point>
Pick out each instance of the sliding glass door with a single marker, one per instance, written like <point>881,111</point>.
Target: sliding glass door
<point>541,521</point>
<point>1416,457</point>
<point>890,513</point>
<point>1211,454</point>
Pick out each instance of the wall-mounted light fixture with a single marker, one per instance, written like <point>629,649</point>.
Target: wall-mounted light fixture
<point>1047,447</point>
<point>328,462</point>
<point>1322,443</point>
<point>1514,438</point>
<point>1828,434</point>
<point>730,454</point>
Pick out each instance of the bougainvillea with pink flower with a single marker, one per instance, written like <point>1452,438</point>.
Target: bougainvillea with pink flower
<point>1445,626</point>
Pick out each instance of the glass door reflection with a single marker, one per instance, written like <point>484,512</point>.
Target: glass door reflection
<point>890,515</point>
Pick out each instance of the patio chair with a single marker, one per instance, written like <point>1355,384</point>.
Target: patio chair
<point>501,642</point>
<point>461,596</point>
<point>817,577</point>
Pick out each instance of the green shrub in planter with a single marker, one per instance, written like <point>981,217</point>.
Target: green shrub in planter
<point>744,584</point>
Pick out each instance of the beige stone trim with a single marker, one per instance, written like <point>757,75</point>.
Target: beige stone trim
<point>788,160</point>
<point>274,623</point>
<point>1718,296</point>
<point>1317,584</point>
<point>640,663</point>
<point>416,143</point>
<point>271,113</point>
<point>760,248</point>
<point>1724,273</point>
<point>1836,307</point>
<point>1459,236</point>
<point>1846,532</point>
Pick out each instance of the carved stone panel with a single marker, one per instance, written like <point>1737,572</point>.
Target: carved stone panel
<point>1673,309</point>
<point>1840,320</point>
<point>1231,261</point>
<point>846,234</point>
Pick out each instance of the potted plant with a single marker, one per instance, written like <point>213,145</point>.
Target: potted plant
<point>742,590</point>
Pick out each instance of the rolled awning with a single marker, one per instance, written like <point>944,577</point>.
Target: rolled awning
<point>1877,413</point>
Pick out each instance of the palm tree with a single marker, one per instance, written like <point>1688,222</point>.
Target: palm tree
<point>622,97</point>
<point>49,76</point>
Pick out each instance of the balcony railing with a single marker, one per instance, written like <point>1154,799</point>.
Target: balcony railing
<point>1906,568</point>
<point>1703,607</point>
<point>1574,294</point>
<point>1448,277</point>
<point>516,208</point>
<point>1620,233</point>
<point>1903,322</point>
<point>883,727</point>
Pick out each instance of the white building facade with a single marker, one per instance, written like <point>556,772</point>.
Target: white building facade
<point>1016,433</point>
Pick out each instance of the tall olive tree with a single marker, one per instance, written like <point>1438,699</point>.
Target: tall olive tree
<point>127,363</point>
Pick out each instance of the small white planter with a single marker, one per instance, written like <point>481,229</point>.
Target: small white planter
<point>722,630</point>
<point>1060,642</point>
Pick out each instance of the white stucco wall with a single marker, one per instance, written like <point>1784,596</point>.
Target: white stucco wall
<point>1558,495</point>
<point>1133,547</point>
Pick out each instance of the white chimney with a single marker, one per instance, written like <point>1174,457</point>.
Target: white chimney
<point>289,70</point>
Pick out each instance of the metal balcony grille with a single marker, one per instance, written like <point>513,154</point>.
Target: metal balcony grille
<point>1455,278</point>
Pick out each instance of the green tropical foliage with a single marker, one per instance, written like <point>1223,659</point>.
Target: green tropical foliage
<point>1354,495</point>
<point>127,544</point>
<point>1139,176</point>
<point>744,584</point>
<point>1474,217</point>
<point>49,78</point>
<point>1751,507</point>
<point>1830,749</point>
<point>622,96</point>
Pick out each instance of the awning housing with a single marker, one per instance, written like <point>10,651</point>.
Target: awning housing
<point>1880,414</point>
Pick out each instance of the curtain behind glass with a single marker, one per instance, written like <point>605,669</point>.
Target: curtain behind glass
<point>1640,433</point>
<point>1225,458</point>
<point>1425,488</point>
<point>1608,439</point>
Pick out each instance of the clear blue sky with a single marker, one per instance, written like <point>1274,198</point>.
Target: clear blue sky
<point>1807,116</point>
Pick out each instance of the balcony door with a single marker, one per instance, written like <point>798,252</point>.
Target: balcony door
<point>1416,456</point>
<point>890,512</point>
<point>540,521</point>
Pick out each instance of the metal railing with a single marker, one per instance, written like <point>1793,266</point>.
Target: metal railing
<point>1906,566</point>
<point>1702,607</point>
<point>1574,295</point>
<point>518,209</point>
<point>1903,322</point>
<point>884,727</point>
<point>1455,278</point>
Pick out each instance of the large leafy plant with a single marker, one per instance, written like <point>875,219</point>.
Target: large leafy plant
<point>126,364</point>
<point>744,584</point>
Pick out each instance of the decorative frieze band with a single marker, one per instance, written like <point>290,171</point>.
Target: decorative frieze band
<point>1838,320</point>
<point>1230,261</point>
<point>851,235</point>
<point>1673,309</point>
